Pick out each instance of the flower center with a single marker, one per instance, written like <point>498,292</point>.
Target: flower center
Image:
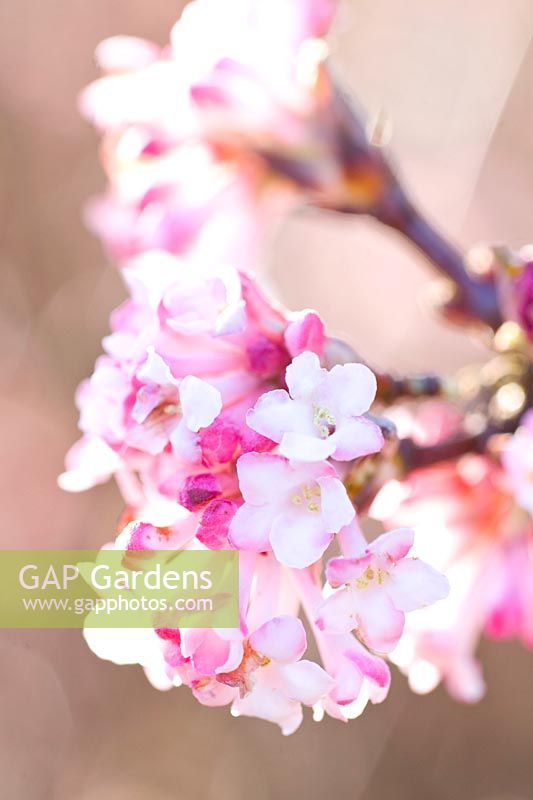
<point>324,421</point>
<point>162,412</point>
<point>242,678</point>
<point>308,497</point>
<point>370,575</point>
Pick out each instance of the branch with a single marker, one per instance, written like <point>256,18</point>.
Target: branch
<point>390,387</point>
<point>475,298</point>
<point>371,186</point>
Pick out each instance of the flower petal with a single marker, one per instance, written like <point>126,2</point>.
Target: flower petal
<point>261,475</point>
<point>379,623</point>
<point>338,614</point>
<point>200,402</point>
<point>276,414</point>
<point>250,528</point>
<point>156,370</point>
<point>344,570</point>
<point>302,447</point>
<point>371,666</point>
<point>356,437</point>
<point>305,333</point>
<point>337,509</point>
<point>306,681</point>
<point>393,545</point>
<point>89,461</point>
<point>304,375</point>
<point>268,702</point>
<point>414,584</point>
<point>281,639</point>
<point>299,539</point>
<point>185,443</point>
<point>351,388</point>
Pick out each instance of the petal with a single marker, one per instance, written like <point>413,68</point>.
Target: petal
<point>250,528</point>
<point>344,570</point>
<point>379,624</point>
<point>302,447</point>
<point>306,681</point>
<point>393,545</point>
<point>124,645</point>
<point>414,584</point>
<point>371,666</point>
<point>338,613</point>
<point>261,476</point>
<point>351,389</point>
<point>185,443</point>
<point>211,652</point>
<point>89,461</point>
<point>304,375</point>
<point>298,538</point>
<point>305,333</point>
<point>231,320</point>
<point>266,701</point>
<point>281,639</point>
<point>356,437</point>
<point>276,414</point>
<point>200,402</point>
<point>147,398</point>
<point>156,370</point>
<point>337,509</point>
<point>120,53</point>
<point>349,680</point>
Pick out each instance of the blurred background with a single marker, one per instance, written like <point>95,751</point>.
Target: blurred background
<point>455,78</point>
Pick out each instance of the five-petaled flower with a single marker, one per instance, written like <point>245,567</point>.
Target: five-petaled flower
<point>168,410</point>
<point>322,414</point>
<point>378,587</point>
<point>293,509</point>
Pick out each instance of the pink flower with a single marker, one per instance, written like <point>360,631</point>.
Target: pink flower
<point>293,510</point>
<point>471,528</point>
<point>188,356</point>
<point>213,305</point>
<point>168,410</point>
<point>321,414</point>
<point>272,680</point>
<point>380,585</point>
<point>510,576</point>
<point>205,143</point>
<point>517,460</point>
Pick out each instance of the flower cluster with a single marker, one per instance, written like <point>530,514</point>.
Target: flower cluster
<point>221,416</point>
<point>182,411</point>
<point>209,140</point>
<point>474,516</point>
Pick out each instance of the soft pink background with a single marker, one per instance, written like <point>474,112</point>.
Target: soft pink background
<point>456,79</point>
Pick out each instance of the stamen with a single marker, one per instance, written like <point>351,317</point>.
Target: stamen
<point>324,421</point>
<point>172,408</point>
<point>310,494</point>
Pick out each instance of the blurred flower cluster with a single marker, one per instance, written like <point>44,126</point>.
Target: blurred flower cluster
<point>229,422</point>
<point>473,515</point>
